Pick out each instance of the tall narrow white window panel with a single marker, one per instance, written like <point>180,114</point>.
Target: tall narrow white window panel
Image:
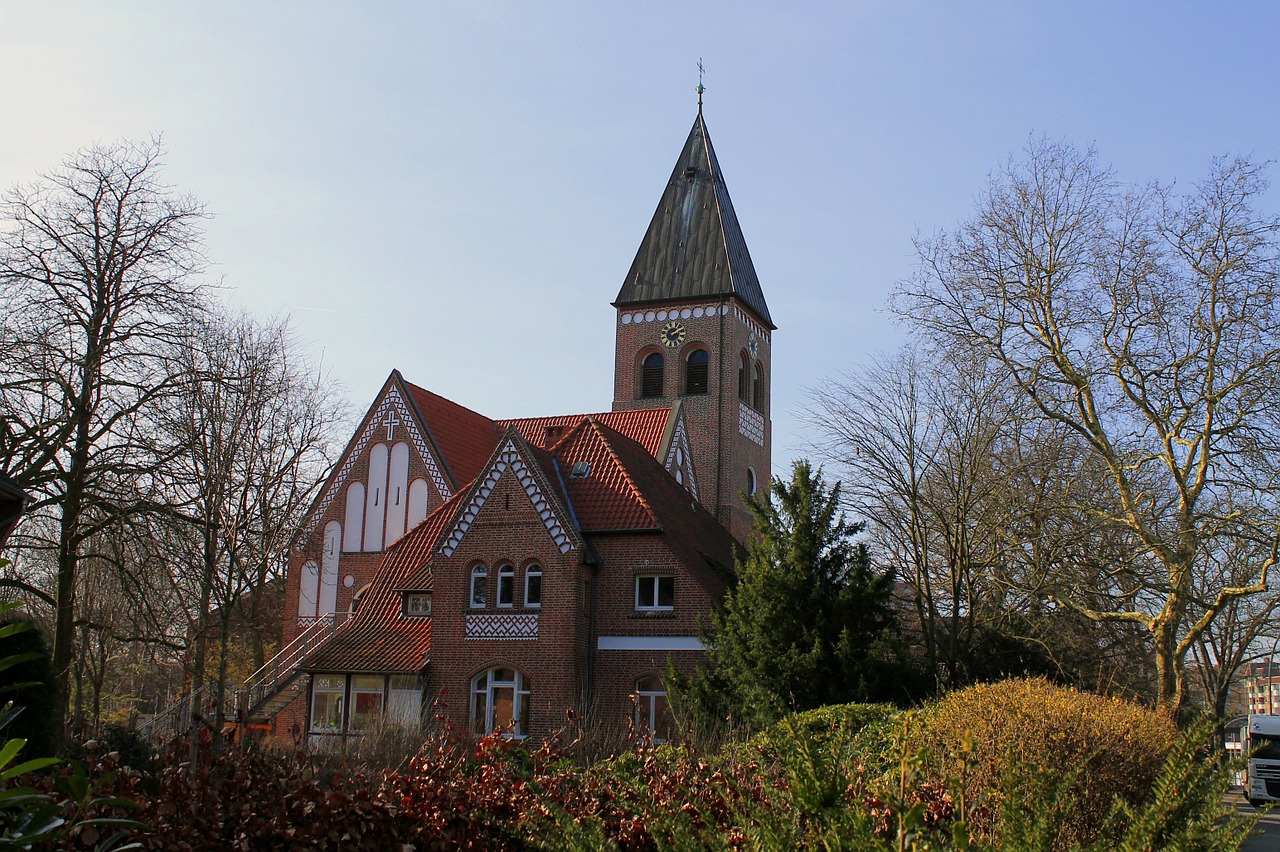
<point>375,500</point>
<point>329,568</point>
<point>308,595</point>
<point>354,541</point>
<point>417,502</point>
<point>397,492</point>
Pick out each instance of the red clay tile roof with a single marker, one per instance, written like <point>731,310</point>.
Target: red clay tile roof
<point>648,426</point>
<point>378,639</point>
<point>464,438</point>
<point>627,489</point>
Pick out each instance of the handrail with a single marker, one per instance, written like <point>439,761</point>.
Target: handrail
<point>257,687</point>
<point>262,683</point>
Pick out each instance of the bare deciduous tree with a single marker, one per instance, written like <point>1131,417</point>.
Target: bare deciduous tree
<point>98,280</point>
<point>1144,323</point>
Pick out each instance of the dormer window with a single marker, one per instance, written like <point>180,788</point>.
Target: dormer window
<point>479,586</point>
<point>417,605</point>
<point>695,372</point>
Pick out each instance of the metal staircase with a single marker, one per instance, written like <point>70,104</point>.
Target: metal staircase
<point>264,694</point>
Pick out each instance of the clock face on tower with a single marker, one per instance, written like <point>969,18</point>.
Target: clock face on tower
<point>672,335</point>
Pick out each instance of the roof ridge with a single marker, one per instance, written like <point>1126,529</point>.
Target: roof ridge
<point>622,466</point>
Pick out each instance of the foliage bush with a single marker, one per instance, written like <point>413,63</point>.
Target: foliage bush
<point>857,777</point>
<point>1107,747</point>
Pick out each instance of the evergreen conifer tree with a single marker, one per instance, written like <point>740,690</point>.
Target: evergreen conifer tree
<point>804,623</point>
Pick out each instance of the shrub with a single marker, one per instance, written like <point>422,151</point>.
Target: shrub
<point>821,724</point>
<point>1102,748</point>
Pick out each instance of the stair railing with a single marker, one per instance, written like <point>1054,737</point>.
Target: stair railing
<point>281,668</point>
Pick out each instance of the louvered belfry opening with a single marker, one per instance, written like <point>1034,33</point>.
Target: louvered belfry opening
<point>651,375</point>
<point>695,372</point>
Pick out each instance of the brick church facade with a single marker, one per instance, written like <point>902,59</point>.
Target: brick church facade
<point>513,570</point>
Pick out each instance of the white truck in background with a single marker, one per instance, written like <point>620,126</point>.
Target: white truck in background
<point>1262,744</point>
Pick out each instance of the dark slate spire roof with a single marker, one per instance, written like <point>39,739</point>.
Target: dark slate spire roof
<point>694,248</point>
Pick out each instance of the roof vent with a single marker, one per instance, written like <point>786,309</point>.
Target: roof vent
<point>580,469</point>
<point>691,172</point>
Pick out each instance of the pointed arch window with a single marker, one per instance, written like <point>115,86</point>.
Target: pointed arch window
<point>695,372</point>
<point>757,389</point>
<point>651,375</point>
<point>744,378</point>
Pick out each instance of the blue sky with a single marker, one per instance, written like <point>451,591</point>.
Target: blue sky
<point>457,189</point>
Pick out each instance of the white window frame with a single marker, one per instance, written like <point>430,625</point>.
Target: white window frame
<point>654,582</point>
<point>479,573</point>
<point>534,570</point>
<point>647,706</point>
<point>365,685</point>
<point>506,586</point>
<point>483,687</point>
<point>417,605</point>
<point>317,691</point>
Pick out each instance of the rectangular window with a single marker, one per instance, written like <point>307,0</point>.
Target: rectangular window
<point>327,693</point>
<point>417,606</point>
<point>366,700</point>
<point>404,701</point>
<point>655,592</point>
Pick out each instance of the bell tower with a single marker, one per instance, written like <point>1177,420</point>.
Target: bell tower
<point>693,330</point>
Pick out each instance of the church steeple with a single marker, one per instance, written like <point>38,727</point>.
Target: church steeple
<point>694,333</point>
<point>694,247</point>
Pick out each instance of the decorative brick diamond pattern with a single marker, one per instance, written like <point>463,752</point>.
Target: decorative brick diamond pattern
<point>680,441</point>
<point>391,403</point>
<point>751,423</point>
<point>508,458</point>
<point>502,626</point>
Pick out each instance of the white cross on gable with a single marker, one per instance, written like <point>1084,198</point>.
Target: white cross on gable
<point>391,422</point>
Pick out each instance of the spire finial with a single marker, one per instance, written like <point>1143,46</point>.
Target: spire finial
<point>701,88</point>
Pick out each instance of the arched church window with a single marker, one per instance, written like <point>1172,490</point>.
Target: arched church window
<point>651,375</point>
<point>757,389</point>
<point>695,372</point>
<point>744,378</point>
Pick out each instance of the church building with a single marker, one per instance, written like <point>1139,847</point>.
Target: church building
<point>513,570</point>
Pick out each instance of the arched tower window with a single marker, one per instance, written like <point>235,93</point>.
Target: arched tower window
<point>695,372</point>
<point>651,375</point>
<point>757,389</point>
<point>744,378</point>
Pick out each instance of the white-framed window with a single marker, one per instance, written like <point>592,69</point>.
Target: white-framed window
<point>651,707</point>
<point>417,605</point>
<point>533,586</point>
<point>366,701</point>
<point>655,592</point>
<point>327,697</point>
<point>479,586</point>
<point>500,702</point>
<point>506,586</point>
